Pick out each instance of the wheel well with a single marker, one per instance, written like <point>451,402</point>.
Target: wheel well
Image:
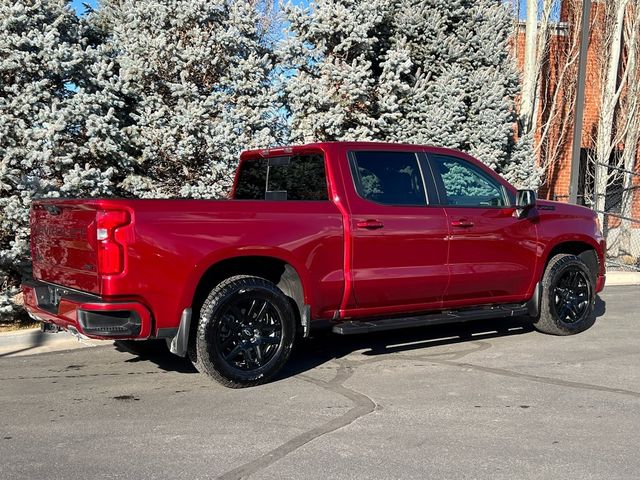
<point>582,250</point>
<point>273,269</point>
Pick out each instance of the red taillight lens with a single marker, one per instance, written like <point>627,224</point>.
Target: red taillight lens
<point>110,251</point>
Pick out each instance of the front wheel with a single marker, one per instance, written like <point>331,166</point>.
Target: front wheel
<point>245,333</point>
<point>568,297</point>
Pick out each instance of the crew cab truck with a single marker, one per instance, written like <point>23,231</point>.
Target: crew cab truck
<point>358,236</point>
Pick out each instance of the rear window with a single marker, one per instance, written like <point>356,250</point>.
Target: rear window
<point>298,177</point>
<point>389,178</point>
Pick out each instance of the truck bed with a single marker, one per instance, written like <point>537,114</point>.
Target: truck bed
<point>168,245</point>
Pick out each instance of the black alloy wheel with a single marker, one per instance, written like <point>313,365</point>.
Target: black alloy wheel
<point>245,333</point>
<point>249,332</point>
<point>572,295</point>
<point>568,296</point>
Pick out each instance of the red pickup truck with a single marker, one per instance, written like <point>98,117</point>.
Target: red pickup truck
<point>358,236</point>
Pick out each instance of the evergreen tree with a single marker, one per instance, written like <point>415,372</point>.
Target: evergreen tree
<point>54,125</point>
<point>334,49</point>
<point>197,74</point>
<point>143,98</point>
<point>423,71</point>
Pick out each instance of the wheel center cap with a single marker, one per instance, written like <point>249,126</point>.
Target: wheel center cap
<point>247,332</point>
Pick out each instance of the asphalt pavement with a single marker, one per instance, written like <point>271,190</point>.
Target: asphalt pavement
<point>487,400</point>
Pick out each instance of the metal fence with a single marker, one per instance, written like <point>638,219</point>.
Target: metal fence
<point>619,215</point>
<point>620,218</point>
<point>623,241</point>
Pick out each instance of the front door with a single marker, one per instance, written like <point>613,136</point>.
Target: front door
<point>492,253</point>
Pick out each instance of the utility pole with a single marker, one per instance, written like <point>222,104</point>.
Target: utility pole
<point>579,109</point>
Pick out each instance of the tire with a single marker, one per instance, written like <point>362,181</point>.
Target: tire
<point>568,297</point>
<point>245,332</point>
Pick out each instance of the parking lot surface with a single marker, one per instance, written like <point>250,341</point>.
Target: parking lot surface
<point>492,400</point>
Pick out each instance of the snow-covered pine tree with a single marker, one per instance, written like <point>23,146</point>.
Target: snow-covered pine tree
<point>198,77</point>
<point>56,136</point>
<point>423,71</point>
<point>334,49</point>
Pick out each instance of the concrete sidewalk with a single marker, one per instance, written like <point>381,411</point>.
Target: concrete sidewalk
<point>33,341</point>
<point>615,278</point>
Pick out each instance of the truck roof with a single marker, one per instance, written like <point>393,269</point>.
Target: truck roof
<point>325,146</point>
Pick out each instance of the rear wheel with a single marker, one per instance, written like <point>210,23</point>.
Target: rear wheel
<point>245,332</point>
<point>568,297</point>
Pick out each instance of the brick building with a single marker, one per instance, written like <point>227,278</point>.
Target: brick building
<point>555,117</point>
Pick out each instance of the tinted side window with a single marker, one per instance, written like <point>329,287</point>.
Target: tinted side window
<point>300,177</point>
<point>389,178</point>
<point>467,185</point>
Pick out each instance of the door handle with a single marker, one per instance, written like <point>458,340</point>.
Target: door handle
<point>462,222</point>
<point>370,224</point>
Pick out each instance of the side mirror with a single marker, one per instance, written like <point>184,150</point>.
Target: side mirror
<point>525,200</point>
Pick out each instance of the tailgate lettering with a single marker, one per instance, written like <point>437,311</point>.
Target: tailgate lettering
<point>59,231</point>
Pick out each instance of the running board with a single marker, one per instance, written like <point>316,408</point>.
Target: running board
<point>350,327</point>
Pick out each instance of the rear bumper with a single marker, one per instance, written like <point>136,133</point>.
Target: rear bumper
<point>86,314</point>
<point>600,281</point>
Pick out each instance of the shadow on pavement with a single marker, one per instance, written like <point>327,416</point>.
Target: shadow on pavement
<point>323,346</point>
<point>155,351</point>
<point>316,351</point>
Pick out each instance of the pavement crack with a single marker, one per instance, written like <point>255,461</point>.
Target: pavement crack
<point>480,346</point>
<point>400,350</point>
<point>362,405</point>
<point>83,375</point>
<point>537,378</point>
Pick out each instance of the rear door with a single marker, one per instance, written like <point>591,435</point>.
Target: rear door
<point>492,253</point>
<point>399,245</point>
<point>61,249</point>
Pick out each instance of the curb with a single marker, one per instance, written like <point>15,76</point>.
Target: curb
<point>33,341</point>
<point>622,278</point>
<point>31,337</point>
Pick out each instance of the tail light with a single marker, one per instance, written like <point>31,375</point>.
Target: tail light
<point>110,251</point>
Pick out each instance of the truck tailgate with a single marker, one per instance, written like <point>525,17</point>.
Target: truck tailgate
<point>62,245</point>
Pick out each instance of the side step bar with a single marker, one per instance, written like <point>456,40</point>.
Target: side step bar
<point>351,327</point>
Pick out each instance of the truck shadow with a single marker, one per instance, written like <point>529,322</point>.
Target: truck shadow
<point>156,352</point>
<point>324,347</point>
<point>315,351</point>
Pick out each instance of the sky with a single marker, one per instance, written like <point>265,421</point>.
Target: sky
<point>79,4</point>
